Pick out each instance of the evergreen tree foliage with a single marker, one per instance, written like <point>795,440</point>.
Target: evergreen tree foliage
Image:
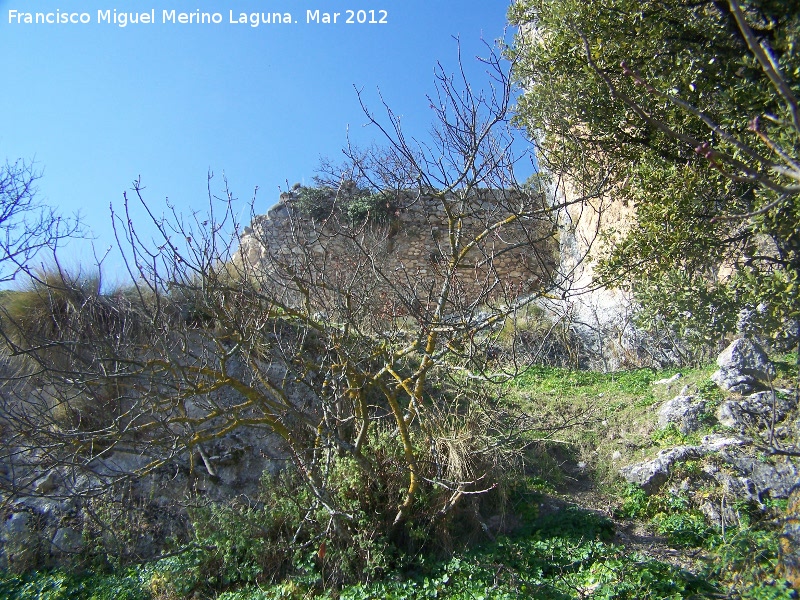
<point>688,110</point>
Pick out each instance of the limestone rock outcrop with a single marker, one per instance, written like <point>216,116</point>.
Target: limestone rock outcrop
<point>759,409</point>
<point>743,367</point>
<point>742,462</point>
<point>684,411</point>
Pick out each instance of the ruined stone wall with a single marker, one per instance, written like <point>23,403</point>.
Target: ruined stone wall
<point>414,242</point>
<point>557,253</point>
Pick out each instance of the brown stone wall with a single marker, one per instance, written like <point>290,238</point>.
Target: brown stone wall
<point>413,245</point>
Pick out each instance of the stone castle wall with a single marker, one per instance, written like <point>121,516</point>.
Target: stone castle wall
<point>555,254</point>
<point>413,243</point>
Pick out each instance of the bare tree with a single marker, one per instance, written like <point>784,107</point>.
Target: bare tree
<point>364,368</point>
<point>26,225</point>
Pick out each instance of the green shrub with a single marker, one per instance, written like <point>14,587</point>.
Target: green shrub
<point>317,203</point>
<point>743,559</point>
<point>366,206</point>
<point>633,577</point>
<point>576,524</point>
<point>277,535</point>
<point>354,207</point>
<point>562,558</point>
<point>636,503</point>
<point>240,543</point>
<point>60,585</point>
<point>746,560</point>
<point>687,528</point>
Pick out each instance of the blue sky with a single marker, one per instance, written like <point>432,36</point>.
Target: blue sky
<point>97,105</point>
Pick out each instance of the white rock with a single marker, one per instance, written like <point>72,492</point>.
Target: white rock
<point>668,380</point>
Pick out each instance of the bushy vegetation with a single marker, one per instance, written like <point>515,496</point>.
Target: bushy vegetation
<point>354,206</point>
<point>519,539</point>
<point>61,585</point>
<point>281,535</point>
<point>364,379</point>
<point>686,112</point>
<point>742,557</point>
<point>73,324</point>
<point>568,554</point>
<point>538,545</point>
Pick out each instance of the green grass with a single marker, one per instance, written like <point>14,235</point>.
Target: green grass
<point>567,382</point>
<point>786,369</point>
<point>605,420</point>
